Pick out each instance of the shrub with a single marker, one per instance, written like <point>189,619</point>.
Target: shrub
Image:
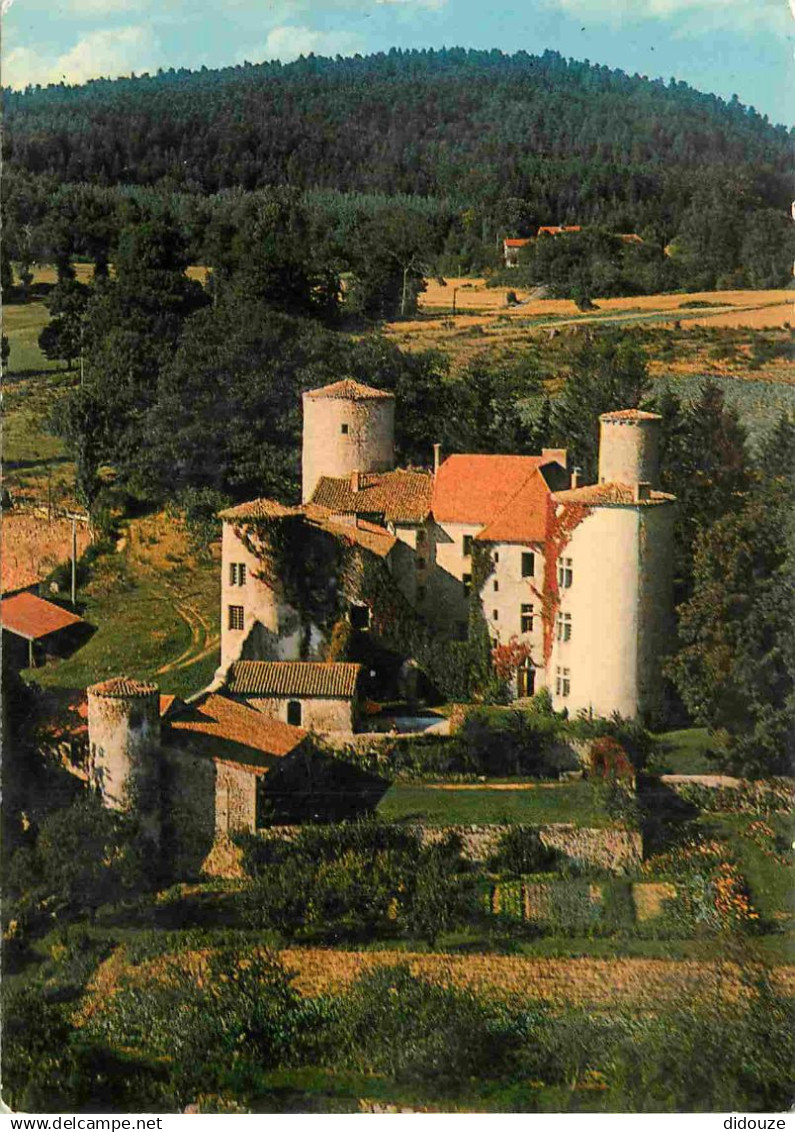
<point>609,761</point>
<point>394,1023</point>
<point>520,850</point>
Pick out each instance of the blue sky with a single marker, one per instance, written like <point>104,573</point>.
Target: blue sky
<point>726,46</point>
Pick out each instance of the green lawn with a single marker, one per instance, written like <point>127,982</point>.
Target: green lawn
<point>144,621</point>
<point>685,752</point>
<point>540,805</point>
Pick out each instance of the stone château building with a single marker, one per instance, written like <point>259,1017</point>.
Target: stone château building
<point>580,574</point>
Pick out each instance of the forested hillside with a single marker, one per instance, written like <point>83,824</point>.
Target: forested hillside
<point>572,140</point>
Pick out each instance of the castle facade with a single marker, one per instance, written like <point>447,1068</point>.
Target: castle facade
<point>578,575</point>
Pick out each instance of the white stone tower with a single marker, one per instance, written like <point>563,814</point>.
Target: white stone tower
<point>614,616</point>
<point>348,427</point>
<point>124,740</point>
<point>629,447</point>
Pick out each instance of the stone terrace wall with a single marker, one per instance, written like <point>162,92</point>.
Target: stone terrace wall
<point>617,850</point>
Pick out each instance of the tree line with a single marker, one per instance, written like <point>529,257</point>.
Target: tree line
<point>460,148</point>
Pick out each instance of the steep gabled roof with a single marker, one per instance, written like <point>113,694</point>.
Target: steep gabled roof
<point>31,617</point>
<point>293,678</point>
<point>350,390</point>
<point>234,732</point>
<point>400,496</point>
<point>476,488</point>
<point>524,517</point>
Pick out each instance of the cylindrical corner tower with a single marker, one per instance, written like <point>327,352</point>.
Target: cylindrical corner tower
<point>629,447</point>
<point>124,738</point>
<point>348,427</point>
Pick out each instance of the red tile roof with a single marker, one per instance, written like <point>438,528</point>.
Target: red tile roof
<point>350,390</point>
<point>556,229</point>
<point>524,517</point>
<point>400,496</point>
<point>630,415</point>
<point>294,678</point>
<point>611,494</point>
<point>353,530</point>
<point>122,687</point>
<point>515,243</point>
<point>234,732</point>
<point>31,617</point>
<point>476,489</point>
<point>259,509</point>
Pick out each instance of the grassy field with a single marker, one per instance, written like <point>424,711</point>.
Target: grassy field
<point>685,752</point>
<point>537,805</point>
<point>771,883</point>
<point>154,607</point>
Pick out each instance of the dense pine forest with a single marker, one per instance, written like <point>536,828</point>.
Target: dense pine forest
<point>477,144</point>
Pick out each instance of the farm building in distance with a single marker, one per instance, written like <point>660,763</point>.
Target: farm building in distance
<point>579,575</point>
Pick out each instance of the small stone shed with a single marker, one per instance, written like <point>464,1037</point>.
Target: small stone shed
<point>34,628</point>
<point>219,754</point>
<point>319,696</point>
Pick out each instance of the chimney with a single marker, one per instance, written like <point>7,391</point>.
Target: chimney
<point>642,492</point>
<point>356,481</point>
<point>437,457</point>
<point>576,477</point>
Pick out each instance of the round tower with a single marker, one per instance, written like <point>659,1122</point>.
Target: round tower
<point>629,447</point>
<point>348,427</point>
<point>124,737</point>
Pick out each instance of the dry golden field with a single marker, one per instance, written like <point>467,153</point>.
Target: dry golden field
<point>600,984</point>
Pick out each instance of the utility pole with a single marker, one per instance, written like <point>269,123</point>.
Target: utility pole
<point>455,291</point>
<point>74,561</point>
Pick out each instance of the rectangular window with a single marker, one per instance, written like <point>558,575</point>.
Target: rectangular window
<point>496,558</point>
<point>236,617</point>
<point>237,573</point>
<point>467,546</point>
<point>496,586</point>
<point>467,580</point>
<point>564,573</point>
<point>528,564</point>
<point>495,615</point>
<point>564,626</point>
<point>527,619</point>
<point>344,430</point>
<point>562,682</point>
<point>360,617</point>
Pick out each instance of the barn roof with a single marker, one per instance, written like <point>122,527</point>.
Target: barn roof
<point>400,496</point>
<point>32,617</point>
<point>350,390</point>
<point>236,733</point>
<point>294,678</point>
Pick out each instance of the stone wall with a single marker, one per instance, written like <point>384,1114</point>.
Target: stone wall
<point>318,713</point>
<point>617,850</point>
